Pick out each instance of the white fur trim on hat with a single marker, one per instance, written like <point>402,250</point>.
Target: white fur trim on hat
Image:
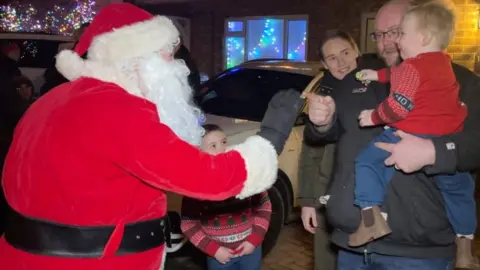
<point>72,67</point>
<point>261,162</point>
<point>138,39</point>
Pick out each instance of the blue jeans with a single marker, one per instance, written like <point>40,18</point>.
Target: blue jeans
<point>247,262</point>
<point>372,177</point>
<point>356,261</point>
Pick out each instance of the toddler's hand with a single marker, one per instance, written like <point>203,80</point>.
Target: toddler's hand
<point>245,248</point>
<point>224,255</point>
<point>367,75</point>
<point>365,118</point>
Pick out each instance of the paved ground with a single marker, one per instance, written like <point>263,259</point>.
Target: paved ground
<point>294,250</point>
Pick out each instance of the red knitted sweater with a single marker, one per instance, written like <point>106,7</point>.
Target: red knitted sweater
<point>209,225</point>
<point>423,97</point>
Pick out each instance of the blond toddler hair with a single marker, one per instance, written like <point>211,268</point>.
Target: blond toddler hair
<point>436,18</point>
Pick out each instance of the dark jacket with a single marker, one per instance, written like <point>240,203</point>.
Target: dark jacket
<point>414,205</point>
<point>314,172</point>
<point>53,78</point>
<point>8,70</point>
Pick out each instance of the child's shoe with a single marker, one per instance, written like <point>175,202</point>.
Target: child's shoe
<point>372,226</point>
<point>466,258</point>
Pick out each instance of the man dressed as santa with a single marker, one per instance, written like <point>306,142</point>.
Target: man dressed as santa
<point>90,160</point>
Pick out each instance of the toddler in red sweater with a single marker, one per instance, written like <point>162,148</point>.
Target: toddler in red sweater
<point>423,101</point>
<point>229,232</point>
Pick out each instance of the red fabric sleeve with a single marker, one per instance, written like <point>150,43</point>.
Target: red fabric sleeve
<point>192,227</point>
<point>405,81</point>
<point>131,134</point>
<point>383,75</point>
<point>261,218</point>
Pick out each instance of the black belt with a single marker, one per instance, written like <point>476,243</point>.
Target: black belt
<point>52,239</point>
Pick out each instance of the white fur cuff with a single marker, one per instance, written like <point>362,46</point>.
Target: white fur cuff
<point>261,163</point>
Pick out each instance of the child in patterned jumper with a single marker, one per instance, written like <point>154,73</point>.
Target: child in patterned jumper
<point>423,101</point>
<point>230,232</point>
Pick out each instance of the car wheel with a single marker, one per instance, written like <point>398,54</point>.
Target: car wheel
<point>276,221</point>
<point>285,188</point>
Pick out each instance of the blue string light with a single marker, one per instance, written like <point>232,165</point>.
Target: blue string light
<point>234,45</point>
<point>296,53</point>
<point>267,38</point>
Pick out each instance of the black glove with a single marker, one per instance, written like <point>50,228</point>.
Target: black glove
<point>280,117</point>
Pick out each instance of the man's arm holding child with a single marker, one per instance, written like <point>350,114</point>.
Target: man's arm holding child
<point>445,154</point>
<point>461,151</point>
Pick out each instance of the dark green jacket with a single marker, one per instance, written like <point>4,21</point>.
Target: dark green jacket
<point>314,173</point>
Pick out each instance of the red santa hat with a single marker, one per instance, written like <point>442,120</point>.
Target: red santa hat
<point>120,31</point>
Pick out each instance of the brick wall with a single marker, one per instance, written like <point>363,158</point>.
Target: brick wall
<point>208,18</point>
<point>464,47</point>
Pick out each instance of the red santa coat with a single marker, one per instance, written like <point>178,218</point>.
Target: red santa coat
<point>89,153</point>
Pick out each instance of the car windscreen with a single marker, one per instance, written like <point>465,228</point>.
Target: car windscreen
<point>35,53</point>
<point>245,93</point>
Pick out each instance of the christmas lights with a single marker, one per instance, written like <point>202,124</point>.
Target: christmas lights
<point>299,50</point>
<point>58,20</point>
<point>268,38</point>
<point>270,42</point>
<point>235,51</point>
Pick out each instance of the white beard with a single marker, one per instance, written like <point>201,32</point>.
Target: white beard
<point>166,85</point>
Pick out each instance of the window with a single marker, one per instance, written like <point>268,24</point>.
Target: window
<point>283,37</point>
<point>36,53</point>
<point>245,93</point>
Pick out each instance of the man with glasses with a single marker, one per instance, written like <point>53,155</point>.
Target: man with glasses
<point>422,237</point>
<point>386,43</point>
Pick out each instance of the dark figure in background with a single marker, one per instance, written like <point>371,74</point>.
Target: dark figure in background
<point>14,101</point>
<point>52,77</point>
<point>9,54</point>
<point>194,77</point>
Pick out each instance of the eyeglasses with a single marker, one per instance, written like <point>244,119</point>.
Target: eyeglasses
<point>390,34</point>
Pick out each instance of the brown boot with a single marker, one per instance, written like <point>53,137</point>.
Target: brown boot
<point>372,226</point>
<point>466,257</point>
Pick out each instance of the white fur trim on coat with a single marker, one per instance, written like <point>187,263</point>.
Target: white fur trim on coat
<point>139,39</point>
<point>72,67</point>
<point>261,162</point>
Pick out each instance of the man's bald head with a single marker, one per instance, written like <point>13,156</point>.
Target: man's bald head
<point>394,7</point>
<point>387,21</point>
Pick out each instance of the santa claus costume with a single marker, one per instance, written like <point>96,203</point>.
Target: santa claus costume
<point>90,160</point>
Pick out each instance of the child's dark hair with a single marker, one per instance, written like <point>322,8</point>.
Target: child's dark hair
<point>19,80</point>
<point>211,128</point>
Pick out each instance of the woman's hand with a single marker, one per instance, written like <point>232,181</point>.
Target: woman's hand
<point>367,75</point>
<point>320,109</point>
<point>309,219</point>
<point>365,118</point>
